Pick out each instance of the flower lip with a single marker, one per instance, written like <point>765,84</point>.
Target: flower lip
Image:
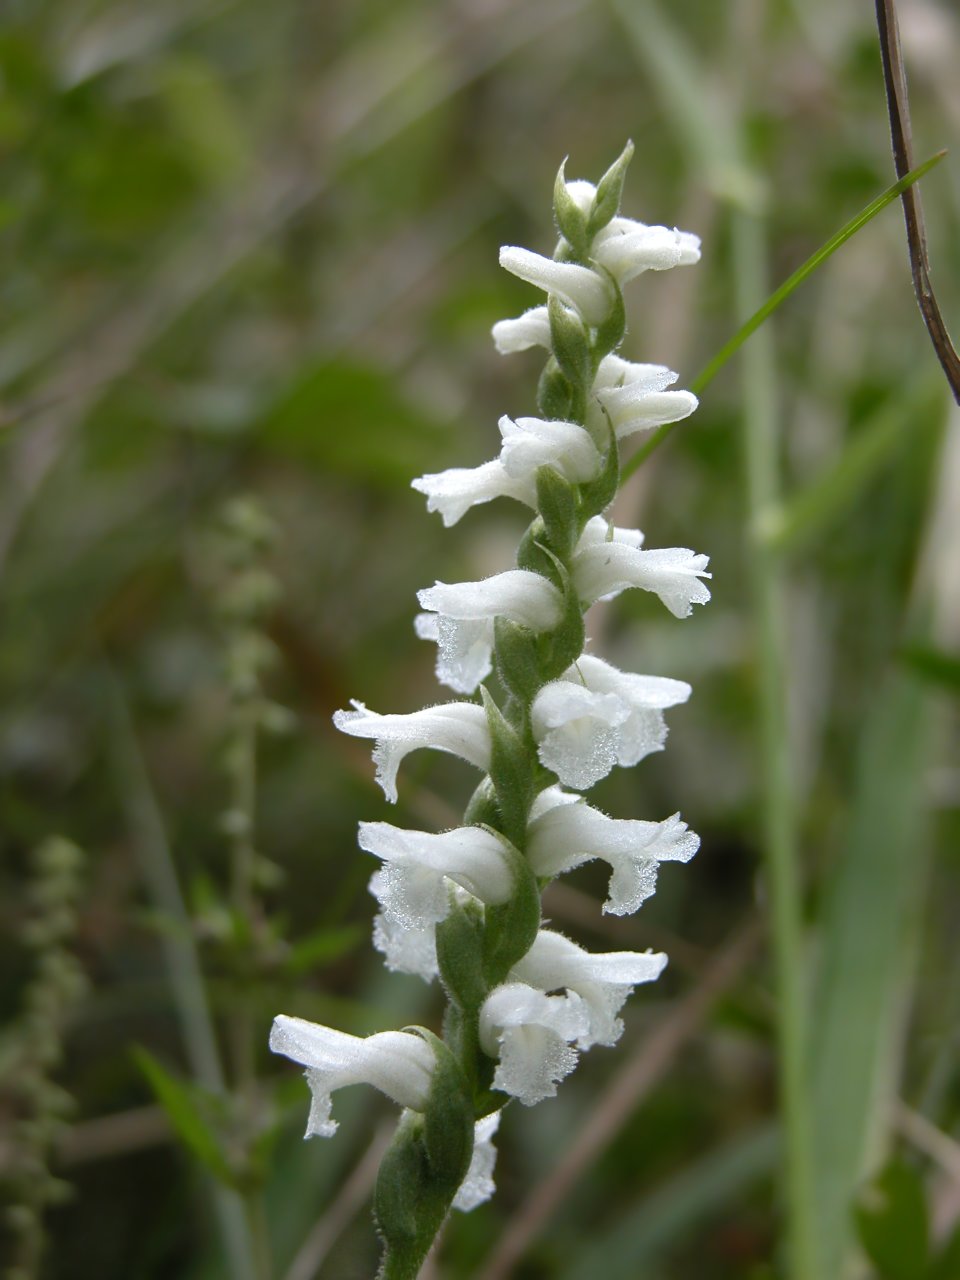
<point>604,568</point>
<point>603,981</point>
<point>595,716</point>
<point>455,491</point>
<point>532,1034</point>
<point>467,612</point>
<point>565,832</point>
<point>532,329</point>
<point>477,1186</point>
<point>398,1063</point>
<point>580,287</point>
<point>459,728</point>
<point>530,443</point>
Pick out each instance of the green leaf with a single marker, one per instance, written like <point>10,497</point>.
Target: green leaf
<point>571,221</point>
<point>557,503</point>
<point>892,1223</point>
<point>511,770</point>
<point>596,495</point>
<point>934,666</point>
<point>568,337</point>
<point>460,954</point>
<point>554,393</point>
<point>610,334</point>
<point>868,937</point>
<point>606,203</point>
<point>186,1106</point>
<point>517,654</point>
<point>511,928</point>
<point>946,1265</point>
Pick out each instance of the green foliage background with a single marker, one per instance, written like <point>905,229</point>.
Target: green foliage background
<point>252,247</point>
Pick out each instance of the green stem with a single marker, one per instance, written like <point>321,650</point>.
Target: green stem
<point>242,1025</point>
<point>183,963</point>
<point>760,448</point>
<point>243,805</point>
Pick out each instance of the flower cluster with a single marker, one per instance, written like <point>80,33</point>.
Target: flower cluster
<point>464,905</point>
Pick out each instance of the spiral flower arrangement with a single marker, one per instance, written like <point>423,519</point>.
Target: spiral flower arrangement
<point>523,1001</point>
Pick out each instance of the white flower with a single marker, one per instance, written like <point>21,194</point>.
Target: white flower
<point>595,716</point>
<point>413,888</point>
<point>603,568</point>
<point>467,611</point>
<point>532,1034</point>
<point>578,286</point>
<point>529,443</point>
<point>457,727</point>
<point>634,396</point>
<point>454,492</point>
<point>532,329</point>
<point>397,1063</point>
<point>603,981</point>
<point>565,832</point>
<point>626,248</point>
<point>477,1186</point>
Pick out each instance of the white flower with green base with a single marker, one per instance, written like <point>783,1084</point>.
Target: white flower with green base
<point>464,905</point>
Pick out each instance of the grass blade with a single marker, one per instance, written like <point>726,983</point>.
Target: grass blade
<point>780,295</point>
<point>866,953</point>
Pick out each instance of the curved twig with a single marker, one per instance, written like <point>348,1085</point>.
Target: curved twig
<point>898,105</point>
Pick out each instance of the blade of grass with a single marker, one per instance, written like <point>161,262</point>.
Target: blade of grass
<point>183,964</point>
<point>833,493</point>
<point>698,109</point>
<point>779,828</point>
<point>866,955</point>
<point>779,296</point>
<point>669,1216</point>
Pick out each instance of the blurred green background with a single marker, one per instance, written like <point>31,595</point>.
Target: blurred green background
<point>251,248</point>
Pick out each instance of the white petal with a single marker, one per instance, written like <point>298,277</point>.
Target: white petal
<point>529,443</point>
<point>582,193</point>
<point>549,799</point>
<point>465,631</point>
<point>644,730</point>
<point>598,531</point>
<point>472,857</point>
<point>565,832</point>
<point>578,286</point>
<point>459,728</point>
<point>614,371</point>
<point>531,1032</point>
<point>532,329</point>
<point>578,731</point>
<point>602,981</point>
<point>631,410</point>
<point>626,248</point>
<point>395,1062</point>
<point>523,597</point>
<point>595,716</point>
<point>427,626</point>
<point>454,492</point>
<point>407,950</point>
<point>603,569</point>
<point>477,1186</point>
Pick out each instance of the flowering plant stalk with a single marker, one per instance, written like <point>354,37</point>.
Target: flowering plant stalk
<point>464,905</point>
